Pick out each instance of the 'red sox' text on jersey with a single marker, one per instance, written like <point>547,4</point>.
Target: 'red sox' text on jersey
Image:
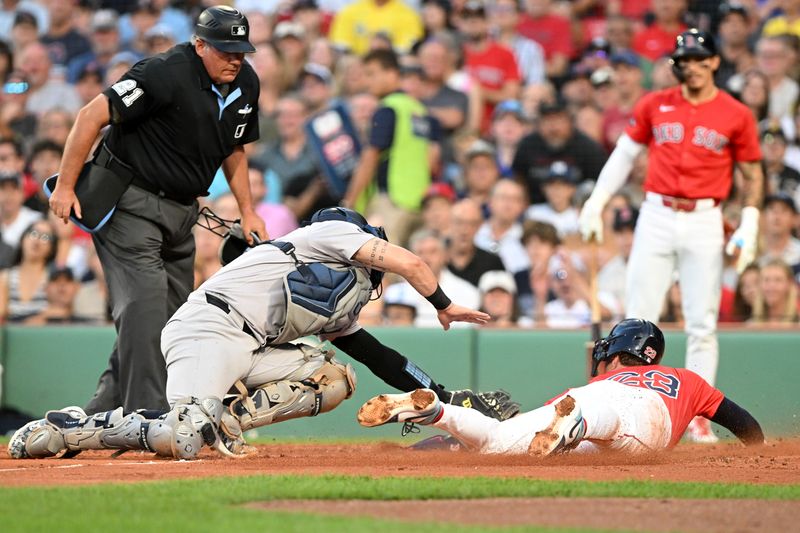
<point>693,147</point>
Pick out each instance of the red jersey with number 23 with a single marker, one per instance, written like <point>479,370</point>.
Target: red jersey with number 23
<point>685,393</point>
<point>693,147</point>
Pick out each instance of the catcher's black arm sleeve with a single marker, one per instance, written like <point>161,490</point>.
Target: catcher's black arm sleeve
<point>739,422</point>
<point>387,363</point>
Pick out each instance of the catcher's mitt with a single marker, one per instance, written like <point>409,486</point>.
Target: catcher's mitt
<point>496,404</point>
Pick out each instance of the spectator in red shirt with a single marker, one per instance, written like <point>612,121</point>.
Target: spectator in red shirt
<point>551,31</point>
<point>658,39</point>
<point>491,65</point>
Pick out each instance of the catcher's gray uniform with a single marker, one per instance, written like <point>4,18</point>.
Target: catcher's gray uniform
<point>207,349</point>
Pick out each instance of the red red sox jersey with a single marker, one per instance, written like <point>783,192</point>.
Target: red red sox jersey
<point>693,147</point>
<point>685,393</point>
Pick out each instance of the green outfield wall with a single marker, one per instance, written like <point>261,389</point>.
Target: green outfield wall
<point>52,367</point>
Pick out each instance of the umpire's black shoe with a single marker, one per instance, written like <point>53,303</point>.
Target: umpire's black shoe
<point>496,404</point>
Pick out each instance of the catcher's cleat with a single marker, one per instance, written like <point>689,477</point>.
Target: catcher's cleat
<point>495,404</point>
<point>41,438</point>
<point>421,406</point>
<point>564,432</point>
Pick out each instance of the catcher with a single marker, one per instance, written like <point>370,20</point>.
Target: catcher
<point>240,329</point>
<point>635,406</point>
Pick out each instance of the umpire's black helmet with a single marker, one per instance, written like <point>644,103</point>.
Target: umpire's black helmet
<point>224,28</point>
<point>639,338</point>
<point>353,217</point>
<point>692,43</point>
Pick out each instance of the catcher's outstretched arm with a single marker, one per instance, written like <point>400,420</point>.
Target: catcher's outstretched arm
<point>739,422</point>
<point>386,363</point>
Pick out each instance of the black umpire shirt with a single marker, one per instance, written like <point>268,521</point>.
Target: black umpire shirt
<point>174,126</point>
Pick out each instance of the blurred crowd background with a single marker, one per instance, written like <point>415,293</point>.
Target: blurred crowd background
<point>528,99</point>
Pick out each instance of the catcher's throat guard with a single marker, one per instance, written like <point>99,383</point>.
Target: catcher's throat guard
<point>234,243</point>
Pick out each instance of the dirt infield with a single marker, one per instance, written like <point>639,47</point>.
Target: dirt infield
<point>778,463</point>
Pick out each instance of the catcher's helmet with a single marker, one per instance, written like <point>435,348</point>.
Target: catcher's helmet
<point>354,217</point>
<point>224,28</point>
<point>692,43</point>
<point>639,338</point>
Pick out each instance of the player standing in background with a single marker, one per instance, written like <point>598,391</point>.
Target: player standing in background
<point>175,118</point>
<point>635,406</point>
<point>695,133</point>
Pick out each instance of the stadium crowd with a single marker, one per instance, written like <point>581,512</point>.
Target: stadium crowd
<point>524,101</point>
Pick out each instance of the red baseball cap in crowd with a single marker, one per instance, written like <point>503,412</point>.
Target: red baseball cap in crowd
<point>440,190</point>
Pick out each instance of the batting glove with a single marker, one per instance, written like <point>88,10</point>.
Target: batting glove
<point>745,238</point>
<point>590,220</point>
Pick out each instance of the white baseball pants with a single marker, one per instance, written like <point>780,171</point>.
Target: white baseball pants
<point>691,243</point>
<point>207,351</point>
<point>618,417</point>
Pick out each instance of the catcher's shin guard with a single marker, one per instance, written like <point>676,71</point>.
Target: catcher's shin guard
<point>274,402</point>
<point>179,433</point>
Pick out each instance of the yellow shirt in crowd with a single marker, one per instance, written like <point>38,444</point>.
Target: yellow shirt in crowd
<point>781,25</point>
<point>354,26</point>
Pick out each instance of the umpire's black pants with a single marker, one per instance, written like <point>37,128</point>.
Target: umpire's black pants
<point>147,253</point>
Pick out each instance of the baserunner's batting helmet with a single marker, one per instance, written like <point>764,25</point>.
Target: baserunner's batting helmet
<point>353,217</point>
<point>640,338</point>
<point>224,28</point>
<point>692,43</point>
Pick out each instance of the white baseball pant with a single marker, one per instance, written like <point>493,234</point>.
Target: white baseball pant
<point>691,242</point>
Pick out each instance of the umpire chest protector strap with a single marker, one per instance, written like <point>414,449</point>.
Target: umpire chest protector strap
<point>320,298</point>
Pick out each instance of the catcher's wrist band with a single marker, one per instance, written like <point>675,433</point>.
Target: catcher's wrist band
<point>439,299</point>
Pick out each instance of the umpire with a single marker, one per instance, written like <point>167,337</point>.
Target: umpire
<point>175,119</point>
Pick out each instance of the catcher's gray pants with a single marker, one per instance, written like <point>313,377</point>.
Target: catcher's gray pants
<point>147,252</point>
<point>207,351</point>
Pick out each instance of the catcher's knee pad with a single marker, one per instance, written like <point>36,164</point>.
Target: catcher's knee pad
<point>274,402</point>
<point>182,432</point>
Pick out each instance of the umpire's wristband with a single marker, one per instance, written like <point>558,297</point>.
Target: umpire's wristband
<point>439,299</point>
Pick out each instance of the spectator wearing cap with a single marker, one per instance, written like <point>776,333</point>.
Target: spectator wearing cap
<point>628,80</point>
<point>437,206</point>
<point>400,153</point>
<point>779,219</point>
<point>290,39</point>
<point>559,190</point>
<point>354,26</point>
<point>556,140</point>
<point>24,31</point>
<point>787,21</point>
<point>734,49</point>
<point>501,233</point>
<point>147,13</point>
<point>61,290</point>
<point>658,39</point>
<point>605,94</point>
<point>504,16</point>
<point>22,286</point>
<point>399,305</point>
<point>45,92</point>
<point>431,249</point>
<point>158,39</point>
<point>775,58</point>
<point>450,107</point>
<point>9,10</point>
<point>490,64</point>
<point>612,275</point>
<point>14,216</point>
<point>105,40</point>
<point>553,32</point>
<point>509,126</point>
<point>481,173</point>
<point>15,119</point>
<point>779,176</point>
<point>499,300</point>
<point>63,41</point>
<point>316,87</point>
<point>465,259</point>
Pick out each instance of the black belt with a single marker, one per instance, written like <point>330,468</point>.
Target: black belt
<point>108,160</point>
<point>223,305</point>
